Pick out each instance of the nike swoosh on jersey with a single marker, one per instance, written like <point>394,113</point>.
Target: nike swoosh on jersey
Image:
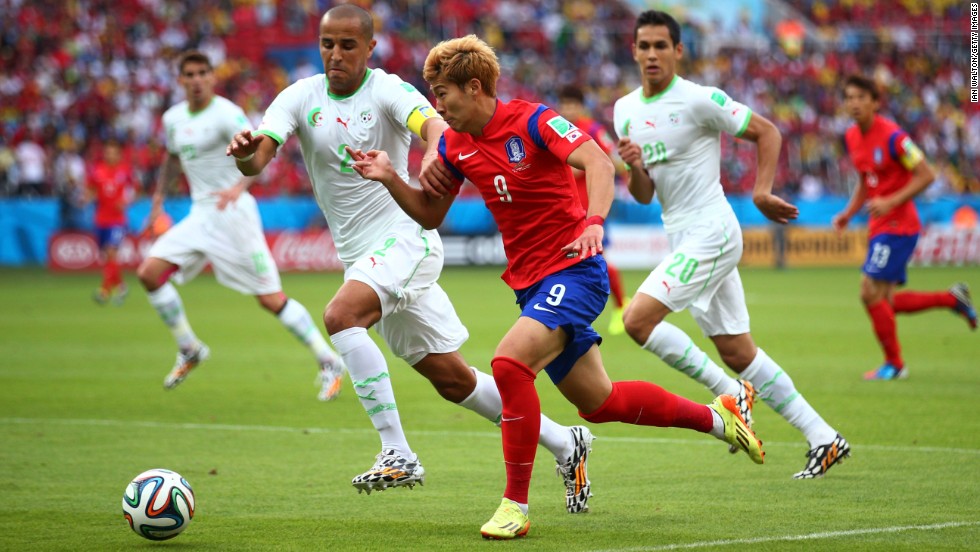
<point>468,155</point>
<point>537,306</point>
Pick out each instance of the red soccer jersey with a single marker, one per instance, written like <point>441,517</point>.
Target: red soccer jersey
<point>113,186</point>
<point>885,157</point>
<point>518,165</point>
<point>598,133</point>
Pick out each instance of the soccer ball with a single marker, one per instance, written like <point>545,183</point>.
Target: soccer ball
<point>158,504</point>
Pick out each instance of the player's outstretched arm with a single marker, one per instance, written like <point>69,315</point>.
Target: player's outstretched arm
<point>841,220</point>
<point>435,178</point>
<point>768,142</point>
<point>423,208</point>
<point>922,175</point>
<point>252,152</point>
<point>640,184</point>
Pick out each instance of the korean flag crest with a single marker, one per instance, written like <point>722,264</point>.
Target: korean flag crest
<point>515,149</point>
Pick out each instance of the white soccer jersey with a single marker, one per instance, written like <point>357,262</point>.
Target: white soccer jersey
<point>200,139</point>
<point>679,132</point>
<point>373,117</point>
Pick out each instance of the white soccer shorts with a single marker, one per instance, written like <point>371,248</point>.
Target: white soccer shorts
<point>701,274</point>
<point>231,240</point>
<point>417,316</point>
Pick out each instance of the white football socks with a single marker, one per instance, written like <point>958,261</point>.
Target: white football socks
<point>774,386</point>
<point>485,401</point>
<point>674,347</point>
<point>298,321</point>
<point>168,305</point>
<point>372,384</point>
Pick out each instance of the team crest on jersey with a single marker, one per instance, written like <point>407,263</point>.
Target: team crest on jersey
<point>367,118</point>
<point>675,118</point>
<point>515,149</point>
<point>315,117</point>
<point>878,156</point>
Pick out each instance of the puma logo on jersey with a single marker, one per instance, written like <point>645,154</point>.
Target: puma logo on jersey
<point>468,155</point>
<point>666,285</point>
<point>651,124</point>
<point>374,263</point>
<point>341,121</point>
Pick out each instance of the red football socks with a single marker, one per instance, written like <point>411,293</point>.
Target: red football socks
<point>520,423</point>
<point>643,403</point>
<point>915,301</point>
<point>883,321</point>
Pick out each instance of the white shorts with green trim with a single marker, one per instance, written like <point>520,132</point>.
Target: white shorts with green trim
<point>231,240</point>
<point>417,317</point>
<point>701,274</point>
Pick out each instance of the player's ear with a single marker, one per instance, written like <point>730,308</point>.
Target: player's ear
<point>473,86</point>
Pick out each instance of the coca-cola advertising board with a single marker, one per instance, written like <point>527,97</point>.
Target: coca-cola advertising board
<point>311,250</point>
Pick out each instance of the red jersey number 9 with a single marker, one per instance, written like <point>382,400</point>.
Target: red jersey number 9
<point>500,184</point>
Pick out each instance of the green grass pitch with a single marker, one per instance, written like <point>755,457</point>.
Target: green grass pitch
<point>82,411</point>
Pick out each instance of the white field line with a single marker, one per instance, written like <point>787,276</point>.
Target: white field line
<point>804,537</point>
<point>483,434</point>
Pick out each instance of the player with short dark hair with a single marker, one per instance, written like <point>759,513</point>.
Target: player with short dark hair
<point>892,172</point>
<point>518,155</point>
<point>670,136</point>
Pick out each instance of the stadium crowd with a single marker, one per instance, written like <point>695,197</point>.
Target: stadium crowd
<point>76,72</point>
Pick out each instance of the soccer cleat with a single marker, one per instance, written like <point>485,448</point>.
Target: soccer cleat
<point>745,399</point>
<point>964,305</point>
<point>329,378</point>
<point>575,472</point>
<point>736,432</point>
<point>390,470</point>
<point>823,457</point>
<point>887,371</point>
<point>508,522</point>
<point>186,361</point>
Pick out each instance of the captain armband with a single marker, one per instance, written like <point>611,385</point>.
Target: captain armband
<point>418,116</point>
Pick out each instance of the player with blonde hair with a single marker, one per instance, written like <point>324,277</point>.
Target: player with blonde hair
<point>519,154</point>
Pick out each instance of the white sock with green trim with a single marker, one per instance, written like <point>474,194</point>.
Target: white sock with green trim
<point>298,321</point>
<point>674,347</point>
<point>372,384</point>
<point>168,305</point>
<point>485,401</point>
<point>775,388</point>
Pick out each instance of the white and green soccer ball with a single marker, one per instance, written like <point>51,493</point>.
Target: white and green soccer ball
<point>158,504</point>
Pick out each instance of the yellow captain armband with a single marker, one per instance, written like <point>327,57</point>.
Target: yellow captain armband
<point>911,155</point>
<point>418,116</point>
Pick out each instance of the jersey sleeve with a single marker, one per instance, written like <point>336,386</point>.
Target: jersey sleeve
<point>714,109</point>
<point>555,133</point>
<point>399,99</point>
<point>903,149</point>
<point>280,119</point>
<point>169,129</point>
<point>621,120</point>
<point>458,175</point>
